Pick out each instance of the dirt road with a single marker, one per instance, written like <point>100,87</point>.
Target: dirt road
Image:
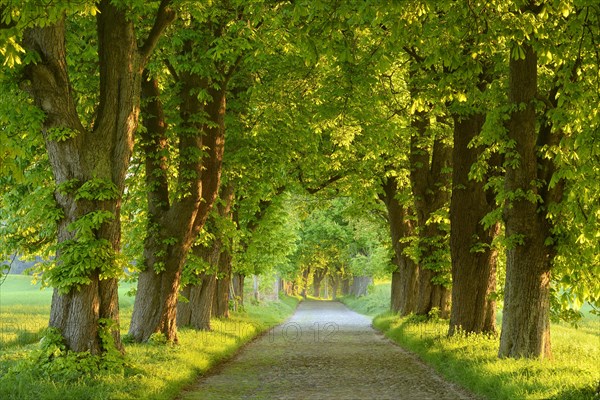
<point>325,351</point>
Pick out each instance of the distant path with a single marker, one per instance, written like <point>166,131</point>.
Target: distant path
<point>325,351</point>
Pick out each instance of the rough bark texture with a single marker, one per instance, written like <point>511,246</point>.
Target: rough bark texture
<point>429,182</point>
<point>405,277</point>
<point>473,272</point>
<point>525,323</point>
<point>198,310</point>
<point>102,152</point>
<point>173,226</point>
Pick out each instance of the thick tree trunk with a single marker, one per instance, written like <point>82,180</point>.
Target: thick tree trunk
<point>396,290</point>
<point>201,298</point>
<point>473,259</point>
<point>431,295</point>
<point>405,277</point>
<point>429,182</point>
<point>317,289</point>
<point>198,310</point>
<point>101,154</point>
<point>525,323</point>
<point>184,308</point>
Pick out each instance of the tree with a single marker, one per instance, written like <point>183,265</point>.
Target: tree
<point>175,219</point>
<point>88,160</point>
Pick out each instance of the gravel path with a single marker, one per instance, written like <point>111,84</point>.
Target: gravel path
<point>324,351</point>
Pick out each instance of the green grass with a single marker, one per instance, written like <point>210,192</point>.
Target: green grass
<point>153,372</point>
<point>471,361</point>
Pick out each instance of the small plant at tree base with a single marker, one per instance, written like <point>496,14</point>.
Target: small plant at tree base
<point>157,338</point>
<point>434,314</point>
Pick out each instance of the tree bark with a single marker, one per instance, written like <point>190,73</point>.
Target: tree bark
<point>198,310</point>
<point>473,259</point>
<point>201,299</point>
<point>405,277</point>
<point>305,276</point>
<point>101,153</point>
<point>429,181</point>
<point>525,323</point>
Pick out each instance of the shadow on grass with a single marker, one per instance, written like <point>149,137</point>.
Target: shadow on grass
<point>23,338</point>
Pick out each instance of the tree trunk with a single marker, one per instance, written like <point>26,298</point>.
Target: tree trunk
<point>525,323</point>
<point>326,292</point>
<point>335,284</point>
<point>473,259</point>
<point>346,286</point>
<point>221,298</point>
<point>431,295</point>
<point>198,311</point>
<point>184,308</point>
<point>305,276</point>
<point>396,290</point>
<point>91,158</point>
<point>173,226</point>
<point>238,289</point>
<point>201,299</point>
<point>405,277</point>
<point>429,182</point>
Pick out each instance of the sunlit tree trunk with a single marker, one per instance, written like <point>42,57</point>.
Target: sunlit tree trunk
<point>101,153</point>
<point>525,322</point>
<point>405,276</point>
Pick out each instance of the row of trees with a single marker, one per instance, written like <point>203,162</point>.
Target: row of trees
<point>473,125</point>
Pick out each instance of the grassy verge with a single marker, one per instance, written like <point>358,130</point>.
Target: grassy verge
<point>472,361</point>
<point>153,371</point>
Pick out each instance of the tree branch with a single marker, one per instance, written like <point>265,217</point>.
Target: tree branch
<point>164,16</point>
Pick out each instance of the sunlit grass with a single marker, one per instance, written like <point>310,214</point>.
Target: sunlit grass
<point>153,372</point>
